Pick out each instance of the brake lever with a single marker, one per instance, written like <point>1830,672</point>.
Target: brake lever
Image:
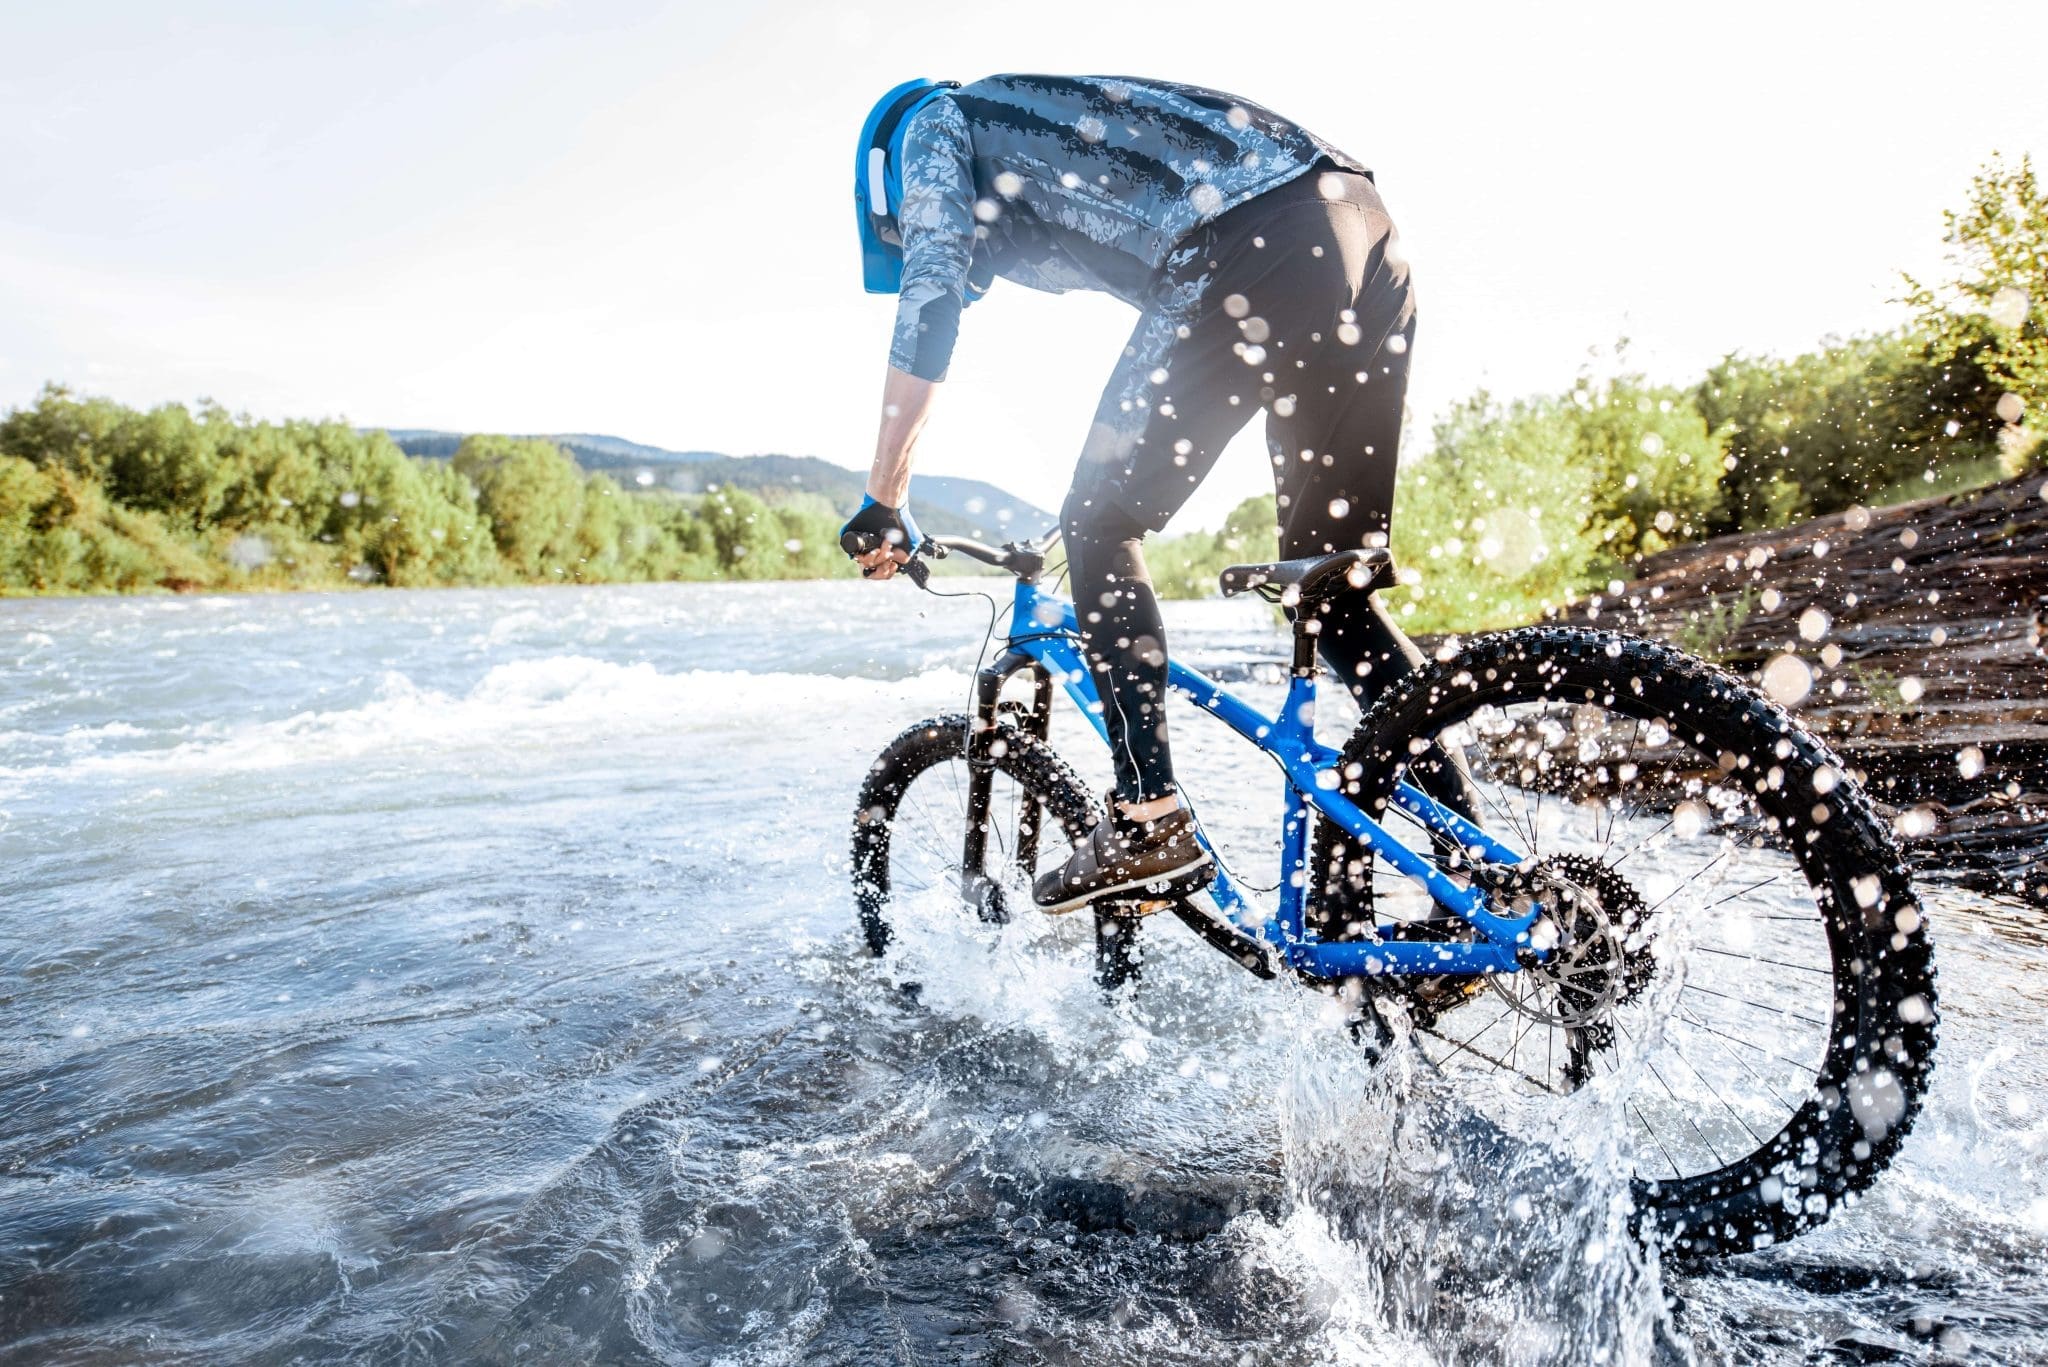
<point>917,567</point>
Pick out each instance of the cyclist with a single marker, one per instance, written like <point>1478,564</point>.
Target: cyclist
<point>1267,276</point>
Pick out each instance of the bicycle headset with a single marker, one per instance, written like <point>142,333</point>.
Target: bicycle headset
<point>878,181</point>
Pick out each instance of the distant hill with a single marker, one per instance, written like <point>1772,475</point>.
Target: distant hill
<point>944,503</point>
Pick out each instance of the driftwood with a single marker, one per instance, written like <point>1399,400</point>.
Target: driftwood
<point>1925,630</point>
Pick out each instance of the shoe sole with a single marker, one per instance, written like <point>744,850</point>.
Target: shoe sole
<point>1165,881</point>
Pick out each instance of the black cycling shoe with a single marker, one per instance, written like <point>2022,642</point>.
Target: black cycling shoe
<point>1158,858</point>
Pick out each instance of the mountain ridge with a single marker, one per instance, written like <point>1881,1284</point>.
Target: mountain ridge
<point>946,504</point>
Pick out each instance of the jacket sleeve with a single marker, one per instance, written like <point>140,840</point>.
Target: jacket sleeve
<point>937,222</point>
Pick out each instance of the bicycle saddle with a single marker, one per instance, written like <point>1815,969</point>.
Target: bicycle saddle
<point>1313,579</point>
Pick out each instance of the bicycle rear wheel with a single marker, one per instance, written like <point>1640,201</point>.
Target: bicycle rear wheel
<point>1736,947</point>
<point>909,827</point>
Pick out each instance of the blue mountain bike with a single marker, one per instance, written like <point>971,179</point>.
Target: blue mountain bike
<point>1657,873</point>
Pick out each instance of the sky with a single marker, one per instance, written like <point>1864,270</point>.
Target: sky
<point>634,218</point>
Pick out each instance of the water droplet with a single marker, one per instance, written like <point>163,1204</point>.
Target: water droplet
<point>1340,507</point>
<point>1689,818</point>
<point>1970,761</point>
<point>2008,308</point>
<point>1914,822</point>
<point>1787,680</point>
<point>249,552</point>
<point>1814,624</point>
<point>1236,305</point>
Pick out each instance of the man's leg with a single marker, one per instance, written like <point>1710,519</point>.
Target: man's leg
<point>1176,397</point>
<point>1334,453</point>
<point>1341,495</point>
<point>1145,841</point>
<point>1124,637</point>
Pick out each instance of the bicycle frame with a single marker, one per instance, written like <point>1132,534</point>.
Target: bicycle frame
<point>1044,642</point>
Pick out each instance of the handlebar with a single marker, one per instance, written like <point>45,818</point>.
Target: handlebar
<point>1025,559</point>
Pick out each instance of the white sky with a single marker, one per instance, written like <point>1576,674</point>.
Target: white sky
<point>634,218</point>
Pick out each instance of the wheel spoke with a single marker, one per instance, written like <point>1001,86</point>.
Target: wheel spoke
<point>1622,777</point>
<point>1773,1010</point>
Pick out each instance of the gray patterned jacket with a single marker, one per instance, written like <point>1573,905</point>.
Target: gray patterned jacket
<point>1070,182</point>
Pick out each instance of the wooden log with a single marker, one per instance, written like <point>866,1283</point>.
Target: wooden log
<point>1925,626</point>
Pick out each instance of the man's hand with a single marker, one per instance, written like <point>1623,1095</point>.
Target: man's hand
<point>880,538</point>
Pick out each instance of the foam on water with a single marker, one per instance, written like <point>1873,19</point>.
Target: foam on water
<point>523,704</point>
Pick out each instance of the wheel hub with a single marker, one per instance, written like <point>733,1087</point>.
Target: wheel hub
<point>1589,945</point>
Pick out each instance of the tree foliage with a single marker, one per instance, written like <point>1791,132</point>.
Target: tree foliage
<point>1522,504</point>
<point>1996,298</point>
<point>1847,422</point>
<point>97,496</point>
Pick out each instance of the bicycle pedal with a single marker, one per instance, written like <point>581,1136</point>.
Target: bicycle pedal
<point>1127,907</point>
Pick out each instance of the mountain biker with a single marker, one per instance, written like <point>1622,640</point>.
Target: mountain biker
<point>1267,276</point>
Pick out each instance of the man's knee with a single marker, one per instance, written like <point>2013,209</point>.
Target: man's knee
<point>1092,519</point>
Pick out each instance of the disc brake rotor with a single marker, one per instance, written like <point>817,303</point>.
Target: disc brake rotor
<point>1596,951</point>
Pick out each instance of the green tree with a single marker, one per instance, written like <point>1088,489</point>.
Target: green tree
<point>1844,423</point>
<point>532,497</point>
<point>1996,296</point>
<point>744,534</point>
<point>1522,506</point>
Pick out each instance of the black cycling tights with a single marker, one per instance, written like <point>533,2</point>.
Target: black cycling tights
<point>1125,641</point>
<point>1295,306</point>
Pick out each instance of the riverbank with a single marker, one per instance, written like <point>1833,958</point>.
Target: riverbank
<point>1917,634</point>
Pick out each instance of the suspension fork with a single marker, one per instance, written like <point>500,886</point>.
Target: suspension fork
<point>982,737</point>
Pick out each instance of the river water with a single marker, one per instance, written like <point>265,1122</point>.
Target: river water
<point>471,976</point>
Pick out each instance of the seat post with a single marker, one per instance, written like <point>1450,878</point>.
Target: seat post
<point>1307,627</point>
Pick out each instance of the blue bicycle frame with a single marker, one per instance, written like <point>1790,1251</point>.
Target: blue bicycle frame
<point>1045,642</point>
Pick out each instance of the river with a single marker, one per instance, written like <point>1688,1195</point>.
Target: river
<point>472,976</point>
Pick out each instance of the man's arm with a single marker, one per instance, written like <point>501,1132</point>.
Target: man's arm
<point>938,226</point>
<point>906,403</point>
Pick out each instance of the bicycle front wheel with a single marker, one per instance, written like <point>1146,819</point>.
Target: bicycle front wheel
<point>1730,933</point>
<point>910,826</point>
